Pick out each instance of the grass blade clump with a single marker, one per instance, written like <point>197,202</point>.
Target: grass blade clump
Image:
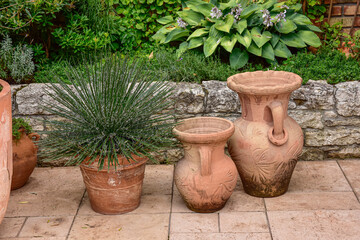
<point>112,108</point>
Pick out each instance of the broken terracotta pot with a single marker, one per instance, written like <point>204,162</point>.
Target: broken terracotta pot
<point>114,191</point>
<point>24,158</point>
<point>205,177</point>
<point>6,167</point>
<point>266,142</point>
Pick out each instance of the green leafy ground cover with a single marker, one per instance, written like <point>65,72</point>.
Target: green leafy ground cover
<point>46,35</point>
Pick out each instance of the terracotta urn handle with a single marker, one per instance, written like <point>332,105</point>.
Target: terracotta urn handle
<point>37,137</point>
<point>205,160</point>
<point>277,134</point>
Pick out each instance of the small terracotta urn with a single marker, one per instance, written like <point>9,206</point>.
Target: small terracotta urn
<point>205,177</point>
<point>24,158</point>
<point>266,142</point>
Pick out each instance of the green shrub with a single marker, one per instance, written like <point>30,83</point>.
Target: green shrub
<point>17,124</point>
<point>45,72</point>
<point>77,36</point>
<point>17,61</point>
<point>265,30</point>
<point>327,64</point>
<point>138,20</point>
<point>192,67</point>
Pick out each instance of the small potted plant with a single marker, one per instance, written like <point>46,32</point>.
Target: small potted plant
<point>24,152</point>
<point>5,146</point>
<point>114,119</point>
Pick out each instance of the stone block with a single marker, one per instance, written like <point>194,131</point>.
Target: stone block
<point>346,152</point>
<point>307,119</point>
<point>29,98</point>
<point>220,98</point>
<point>348,98</point>
<point>312,154</point>
<point>174,155</point>
<point>231,117</point>
<point>14,88</point>
<point>335,136</point>
<point>314,95</point>
<point>189,98</point>
<point>331,119</point>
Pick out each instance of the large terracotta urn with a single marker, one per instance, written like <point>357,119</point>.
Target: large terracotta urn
<point>114,191</point>
<point>5,146</point>
<point>266,142</point>
<point>24,158</point>
<point>205,177</point>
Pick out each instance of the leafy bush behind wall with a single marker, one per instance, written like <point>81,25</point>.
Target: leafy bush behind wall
<point>83,25</point>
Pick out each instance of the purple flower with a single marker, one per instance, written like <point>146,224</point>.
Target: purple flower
<point>236,12</point>
<point>267,18</point>
<point>216,13</point>
<point>181,23</point>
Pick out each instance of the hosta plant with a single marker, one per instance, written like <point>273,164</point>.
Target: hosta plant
<point>113,108</point>
<point>265,30</point>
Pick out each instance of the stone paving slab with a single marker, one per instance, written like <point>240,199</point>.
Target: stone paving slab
<point>320,224</point>
<point>220,236</point>
<point>49,192</point>
<point>351,170</point>
<point>130,227</point>
<point>321,204</point>
<point>46,227</point>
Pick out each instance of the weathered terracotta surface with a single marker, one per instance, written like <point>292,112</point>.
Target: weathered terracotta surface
<point>266,142</point>
<point>115,191</point>
<point>5,147</point>
<point>24,158</point>
<point>205,177</point>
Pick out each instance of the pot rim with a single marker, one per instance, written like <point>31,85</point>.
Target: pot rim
<point>246,83</point>
<point>212,137</point>
<point>93,166</point>
<point>6,88</point>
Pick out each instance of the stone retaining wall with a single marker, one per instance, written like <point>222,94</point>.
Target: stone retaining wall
<point>328,114</point>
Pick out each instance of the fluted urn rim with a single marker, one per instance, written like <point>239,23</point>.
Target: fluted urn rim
<point>264,82</point>
<point>204,130</point>
<point>5,88</point>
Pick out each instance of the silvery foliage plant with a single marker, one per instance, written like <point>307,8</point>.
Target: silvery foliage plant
<point>17,60</point>
<point>240,27</point>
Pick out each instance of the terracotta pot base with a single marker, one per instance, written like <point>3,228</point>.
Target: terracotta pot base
<point>207,208</point>
<point>114,191</point>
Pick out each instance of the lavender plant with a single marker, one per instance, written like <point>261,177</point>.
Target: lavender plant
<point>265,29</point>
<point>15,60</point>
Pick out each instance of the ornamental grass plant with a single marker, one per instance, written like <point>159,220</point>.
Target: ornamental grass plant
<point>114,108</point>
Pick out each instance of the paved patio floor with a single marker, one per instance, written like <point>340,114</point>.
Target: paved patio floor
<point>322,203</point>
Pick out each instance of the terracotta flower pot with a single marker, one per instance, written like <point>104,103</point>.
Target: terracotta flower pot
<point>205,177</point>
<point>266,142</point>
<point>24,158</point>
<point>114,191</point>
<point>6,167</point>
